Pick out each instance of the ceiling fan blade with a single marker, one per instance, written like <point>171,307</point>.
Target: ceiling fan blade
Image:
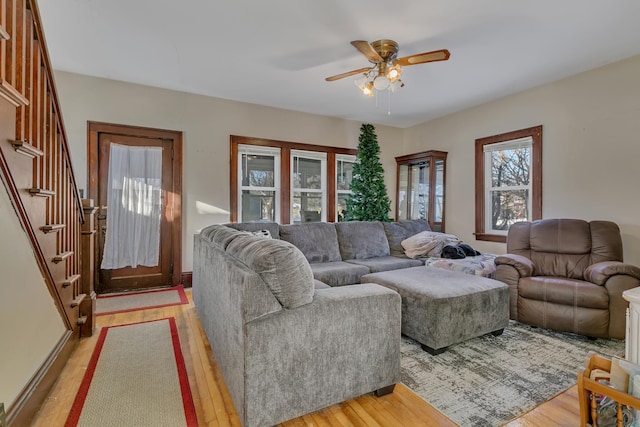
<point>365,48</point>
<point>421,58</point>
<point>347,74</point>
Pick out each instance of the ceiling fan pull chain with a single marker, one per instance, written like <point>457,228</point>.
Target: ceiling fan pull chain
<point>389,103</point>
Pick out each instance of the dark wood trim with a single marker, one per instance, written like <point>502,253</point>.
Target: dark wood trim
<point>94,129</point>
<point>28,403</point>
<point>285,184</point>
<point>491,237</point>
<point>187,279</point>
<point>331,183</point>
<point>535,133</point>
<point>285,172</point>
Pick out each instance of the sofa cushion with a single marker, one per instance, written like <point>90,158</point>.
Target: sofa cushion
<point>386,263</point>
<point>317,240</point>
<point>280,265</point>
<point>338,273</point>
<point>398,231</point>
<point>219,235</point>
<point>361,240</point>
<point>272,227</point>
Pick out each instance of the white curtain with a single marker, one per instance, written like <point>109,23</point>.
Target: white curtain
<point>133,207</point>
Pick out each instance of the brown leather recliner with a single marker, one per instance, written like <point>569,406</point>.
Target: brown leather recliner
<point>568,275</point>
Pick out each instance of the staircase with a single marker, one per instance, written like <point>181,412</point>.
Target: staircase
<point>35,164</point>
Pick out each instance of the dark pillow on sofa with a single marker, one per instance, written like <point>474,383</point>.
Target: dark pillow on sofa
<point>468,250</point>
<point>453,252</point>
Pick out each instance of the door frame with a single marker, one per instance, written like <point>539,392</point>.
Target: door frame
<point>94,129</point>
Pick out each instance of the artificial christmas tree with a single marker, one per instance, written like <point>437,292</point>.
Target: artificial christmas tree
<point>369,200</point>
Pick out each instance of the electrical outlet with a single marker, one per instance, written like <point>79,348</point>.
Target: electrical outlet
<point>3,416</point>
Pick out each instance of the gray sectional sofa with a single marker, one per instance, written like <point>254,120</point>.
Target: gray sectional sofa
<point>341,253</point>
<point>294,330</point>
<point>287,344</point>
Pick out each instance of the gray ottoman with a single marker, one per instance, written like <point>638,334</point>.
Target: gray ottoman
<point>442,307</point>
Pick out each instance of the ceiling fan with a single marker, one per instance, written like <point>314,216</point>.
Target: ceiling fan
<point>387,68</point>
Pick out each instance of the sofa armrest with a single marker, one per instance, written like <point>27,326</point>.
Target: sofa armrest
<point>343,344</point>
<point>523,265</point>
<point>600,272</point>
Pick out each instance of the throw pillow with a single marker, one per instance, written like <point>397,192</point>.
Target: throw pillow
<point>428,244</point>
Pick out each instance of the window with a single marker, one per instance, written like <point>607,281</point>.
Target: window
<point>308,186</point>
<point>259,178</point>
<point>288,182</point>
<point>508,181</point>
<point>344,174</point>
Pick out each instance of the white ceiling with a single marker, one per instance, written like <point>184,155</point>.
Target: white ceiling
<point>277,53</point>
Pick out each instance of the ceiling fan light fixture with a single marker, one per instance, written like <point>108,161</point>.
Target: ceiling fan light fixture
<point>368,89</point>
<point>381,83</point>
<point>395,85</point>
<point>394,72</point>
<point>361,81</point>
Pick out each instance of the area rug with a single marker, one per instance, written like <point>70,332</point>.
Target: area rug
<point>489,380</point>
<point>132,301</point>
<point>136,377</point>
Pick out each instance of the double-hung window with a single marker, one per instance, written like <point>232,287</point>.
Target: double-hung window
<point>308,186</point>
<point>344,175</point>
<point>288,182</point>
<point>259,178</point>
<point>508,181</point>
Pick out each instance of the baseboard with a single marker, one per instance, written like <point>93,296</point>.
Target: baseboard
<point>28,403</point>
<point>187,278</point>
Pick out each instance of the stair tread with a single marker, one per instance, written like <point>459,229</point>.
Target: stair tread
<point>41,192</point>
<point>62,256</point>
<point>70,280</point>
<point>52,227</point>
<point>23,147</point>
<point>77,300</point>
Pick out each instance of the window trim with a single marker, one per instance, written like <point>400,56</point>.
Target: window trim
<point>536,180</point>
<point>285,173</point>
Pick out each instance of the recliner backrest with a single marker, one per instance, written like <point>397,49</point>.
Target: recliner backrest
<point>565,247</point>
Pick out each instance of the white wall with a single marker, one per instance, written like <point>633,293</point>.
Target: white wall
<point>207,124</point>
<point>591,149</point>
<point>30,325</point>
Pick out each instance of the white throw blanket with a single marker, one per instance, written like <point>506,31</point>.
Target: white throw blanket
<point>428,244</point>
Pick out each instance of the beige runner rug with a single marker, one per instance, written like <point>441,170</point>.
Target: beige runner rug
<point>132,301</point>
<point>136,377</point>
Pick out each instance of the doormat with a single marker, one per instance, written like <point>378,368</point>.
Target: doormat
<point>136,377</point>
<point>487,381</point>
<point>132,301</point>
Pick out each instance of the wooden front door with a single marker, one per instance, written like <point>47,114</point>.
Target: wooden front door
<point>168,270</point>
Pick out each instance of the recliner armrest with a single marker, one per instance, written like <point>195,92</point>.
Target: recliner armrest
<point>600,272</point>
<point>523,265</point>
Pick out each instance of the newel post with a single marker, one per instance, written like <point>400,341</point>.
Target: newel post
<point>88,305</point>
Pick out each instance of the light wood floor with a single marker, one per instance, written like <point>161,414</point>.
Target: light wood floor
<point>213,404</point>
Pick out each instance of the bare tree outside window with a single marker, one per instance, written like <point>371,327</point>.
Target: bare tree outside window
<point>510,171</point>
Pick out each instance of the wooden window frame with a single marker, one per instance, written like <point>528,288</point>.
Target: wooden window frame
<point>285,173</point>
<point>535,133</point>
